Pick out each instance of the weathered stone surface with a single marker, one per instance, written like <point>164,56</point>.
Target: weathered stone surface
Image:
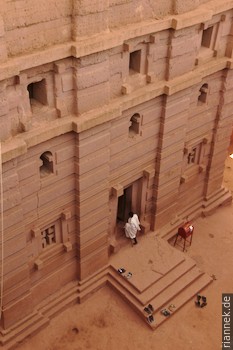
<point>105,107</point>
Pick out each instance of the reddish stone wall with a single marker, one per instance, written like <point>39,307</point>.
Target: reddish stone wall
<point>27,26</point>
<point>33,203</point>
<point>30,25</point>
<point>92,168</point>
<point>139,112</point>
<point>19,112</point>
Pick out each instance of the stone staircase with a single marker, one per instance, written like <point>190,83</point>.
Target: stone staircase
<point>177,283</point>
<point>10,338</point>
<point>178,286</point>
<point>161,277</point>
<point>91,284</point>
<point>71,294</point>
<point>222,197</point>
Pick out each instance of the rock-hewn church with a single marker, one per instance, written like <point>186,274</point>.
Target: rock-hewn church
<point>106,106</point>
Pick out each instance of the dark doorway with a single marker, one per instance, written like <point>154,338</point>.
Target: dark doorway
<point>124,204</point>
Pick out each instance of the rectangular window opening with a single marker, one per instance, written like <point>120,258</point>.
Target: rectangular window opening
<point>48,236</point>
<point>38,93</point>
<point>206,37</point>
<point>194,155</point>
<point>135,61</point>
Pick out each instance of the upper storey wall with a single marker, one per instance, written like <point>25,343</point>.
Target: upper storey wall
<point>26,26</point>
<point>181,6</point>
<point>34,24</point>
<point>113,71</point>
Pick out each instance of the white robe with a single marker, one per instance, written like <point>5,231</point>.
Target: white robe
<point>134,220</point>
<point>132,226</point>
<point>130,230</point>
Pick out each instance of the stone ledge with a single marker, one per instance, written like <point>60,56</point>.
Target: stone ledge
<point>19,144</point>
<point>186,20</point>
<point>89,45</point>
<point>183,82</point>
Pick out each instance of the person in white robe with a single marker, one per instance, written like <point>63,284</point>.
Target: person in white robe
<point>132,227</point>
<point>134,220</point>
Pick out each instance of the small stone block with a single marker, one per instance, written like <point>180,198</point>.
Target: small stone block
<point>38,264</point>
<point>127,47</point>
<point>183,179</point>
<point>205,140</point>
<point>229,64</point>
<point>145,227</point>
<point>151,77</point>
<point>202,168</point>
<point>125,89</point>
<point>148,173</point>
<point>59,68</point>
<point>66,215</point>
<point>154,39</point>
<point>223,18</point>
<point>117,190</point>
<point>35,232</point>
<point>67,246</point>
<point>22,79</point>
<point>74,51</point>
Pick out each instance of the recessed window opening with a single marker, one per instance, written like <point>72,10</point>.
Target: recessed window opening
<point>37,92</point>
<point>47,164</point>
<point>135,61</point>
<point>48,236</point>
<point>193,155</point>
<point>206,37</point>
<point>134,127</point>
<point>202,98</point>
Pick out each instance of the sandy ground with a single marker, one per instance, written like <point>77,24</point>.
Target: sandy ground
<point>106,322</point>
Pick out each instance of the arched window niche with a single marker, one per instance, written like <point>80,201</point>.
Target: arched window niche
<point>135,125</point>
<point>203,92</point>
<point>46,167</point>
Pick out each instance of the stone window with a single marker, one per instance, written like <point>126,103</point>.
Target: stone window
<point>194,161</point>
<point>135,62</point>
<point>209,37</point>
<point>46,167</point>
<point>193,155</point>
<point>206,37</point>
<point>37,93</point>
<point>135,125</point>
<point>48,236</point>
<point>50,239</point>
<point>202,98</point>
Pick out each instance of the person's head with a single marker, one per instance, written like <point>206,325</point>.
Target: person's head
<point>130,214</point>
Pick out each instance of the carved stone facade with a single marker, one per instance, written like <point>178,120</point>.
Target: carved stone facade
<point>106,106</point>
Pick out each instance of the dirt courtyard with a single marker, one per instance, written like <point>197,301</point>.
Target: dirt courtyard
<point>106,322</point>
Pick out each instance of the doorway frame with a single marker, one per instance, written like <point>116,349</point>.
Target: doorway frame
<point>117,190</point>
